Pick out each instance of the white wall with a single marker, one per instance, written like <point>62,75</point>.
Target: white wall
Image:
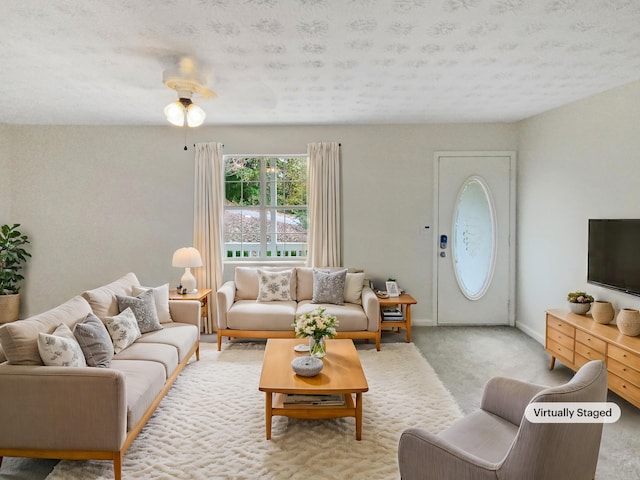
<point>5,175</point>
<point>577,162</point>
<point>98,203</point>
<point>101,201</point>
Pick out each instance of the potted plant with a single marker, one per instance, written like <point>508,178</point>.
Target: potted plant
<point>12,258</point>
<point>579,302</point>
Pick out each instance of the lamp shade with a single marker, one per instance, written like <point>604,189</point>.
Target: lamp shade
<point>186,257</point>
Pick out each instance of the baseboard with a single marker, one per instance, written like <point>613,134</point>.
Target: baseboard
<point>428,322</point>
<point>532,333</point>
<point>423,322</point>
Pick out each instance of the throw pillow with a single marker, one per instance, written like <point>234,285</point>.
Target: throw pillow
<point>328,287</point>
<point>123,329</point>
<point>95,342</point>
<point>144,308</point>
<point>274,286</point>
<point>60,349</point>
<point>353,286</point>
<point>161,298</point>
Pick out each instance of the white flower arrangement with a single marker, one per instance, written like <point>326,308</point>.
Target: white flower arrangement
<point>316,324</point>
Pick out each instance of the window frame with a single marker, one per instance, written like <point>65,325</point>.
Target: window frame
<point>264,208</point>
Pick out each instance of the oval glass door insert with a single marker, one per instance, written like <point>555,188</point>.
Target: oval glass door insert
<point>474,238</point>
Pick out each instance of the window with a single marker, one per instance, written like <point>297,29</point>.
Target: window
<point>265,211</point>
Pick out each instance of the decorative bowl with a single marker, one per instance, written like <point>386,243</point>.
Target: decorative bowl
<point>307,366</point>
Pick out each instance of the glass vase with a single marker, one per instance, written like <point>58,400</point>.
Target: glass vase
<point>317,348</point>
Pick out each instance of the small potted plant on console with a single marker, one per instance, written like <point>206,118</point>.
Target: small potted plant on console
<point>579,302</point>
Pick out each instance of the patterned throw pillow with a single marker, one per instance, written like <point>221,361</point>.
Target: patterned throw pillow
<point>161,297</point>
<point>94,341</point>
<point>328,287</point>
<point>60,349</point>
<point>274,286</point>
<point>123,329</point>
<point>144,309</point>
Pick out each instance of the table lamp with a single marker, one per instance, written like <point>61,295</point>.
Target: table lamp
<point>187,258</point>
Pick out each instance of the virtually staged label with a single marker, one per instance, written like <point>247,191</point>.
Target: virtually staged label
<point>572,412</point>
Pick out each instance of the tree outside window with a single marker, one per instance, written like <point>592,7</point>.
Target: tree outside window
<point>265,212</point>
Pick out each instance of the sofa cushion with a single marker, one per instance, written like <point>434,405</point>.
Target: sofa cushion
<point>123,329</point>
<point>20,339</point>
<point>60,348</point>
<point>328,287</point>
<point>274,286</point>
<point>181,336</point>
<point>351,317</point>
<point>250,315</point>
<point>144,308</point>
<point>103,299</point>
<point>161,298</point>
<point>483,435</point>
<point>353,285</point>
<point>167,355</point>
<point>246,280</point>
<point>144,380</point>
<point>95,342</point>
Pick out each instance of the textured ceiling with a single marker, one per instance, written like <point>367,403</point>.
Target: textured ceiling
<point>312,61</point>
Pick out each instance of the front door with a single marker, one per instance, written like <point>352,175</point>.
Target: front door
<point>475,244</point>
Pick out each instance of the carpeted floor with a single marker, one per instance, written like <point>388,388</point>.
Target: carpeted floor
<point>464,359</point>
<point>211,424</point>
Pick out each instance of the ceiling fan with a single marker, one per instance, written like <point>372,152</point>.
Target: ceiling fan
<point>188,80</point>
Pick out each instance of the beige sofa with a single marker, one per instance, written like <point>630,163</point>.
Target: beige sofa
<point>66,412</point>
<point>241,315</point>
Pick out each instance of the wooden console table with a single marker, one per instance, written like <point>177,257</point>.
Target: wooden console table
<point>576,339</point>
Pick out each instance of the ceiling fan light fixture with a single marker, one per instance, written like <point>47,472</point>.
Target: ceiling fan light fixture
<point>184,111</point>
<point>195,115</point>
<point>175,113</point>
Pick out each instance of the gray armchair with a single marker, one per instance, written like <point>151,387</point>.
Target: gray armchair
<point>498,442</point>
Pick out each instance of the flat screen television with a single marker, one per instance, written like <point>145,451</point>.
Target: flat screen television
<point>614,254</point>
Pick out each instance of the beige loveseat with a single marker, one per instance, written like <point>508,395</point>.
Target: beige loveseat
<point>240,314</point>
<point>65,412</point>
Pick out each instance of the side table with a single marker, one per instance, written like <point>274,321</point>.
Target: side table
<point>404,301</point>
<point>202,295</point>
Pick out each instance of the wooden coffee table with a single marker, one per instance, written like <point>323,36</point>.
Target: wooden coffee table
<point>342,374</point>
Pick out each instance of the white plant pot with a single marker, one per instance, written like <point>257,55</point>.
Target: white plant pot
<point>579,308</point>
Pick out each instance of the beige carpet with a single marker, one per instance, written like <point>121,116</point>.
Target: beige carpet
<point>211,424</point>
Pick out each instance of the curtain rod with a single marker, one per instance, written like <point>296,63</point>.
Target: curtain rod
<point>223,145</point>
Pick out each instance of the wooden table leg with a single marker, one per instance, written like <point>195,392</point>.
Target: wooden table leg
<point>553,363</point>
<point>268,406</point>
<point>359,416</point>
<point>408,322</point>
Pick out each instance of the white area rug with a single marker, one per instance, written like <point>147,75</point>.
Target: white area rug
<point>211,424</point>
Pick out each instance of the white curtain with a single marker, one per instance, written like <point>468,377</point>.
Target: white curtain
<point>208,215</point>
<point>324,205</point>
